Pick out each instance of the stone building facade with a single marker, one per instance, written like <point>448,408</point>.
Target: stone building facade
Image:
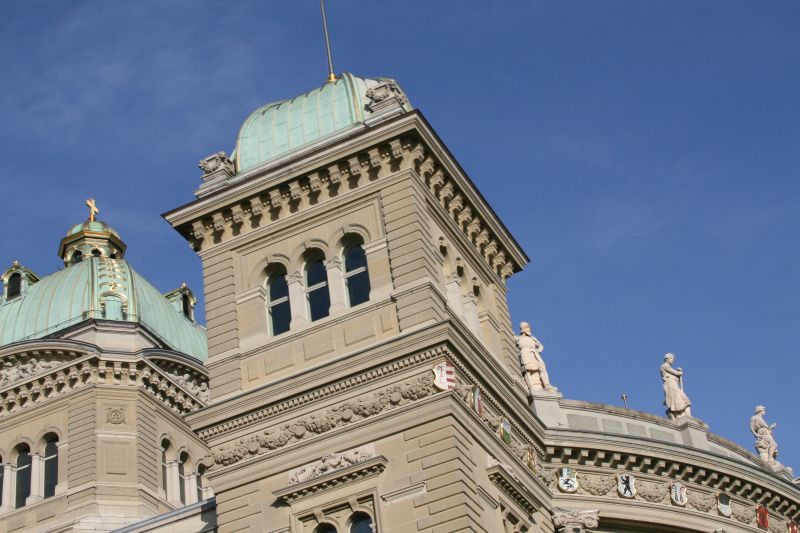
<point>362,372</point>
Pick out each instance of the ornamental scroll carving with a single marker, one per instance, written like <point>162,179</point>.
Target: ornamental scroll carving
<point>702,502</point>
<point>331,463</point>
<point>322,422</point>
<point>652,492</point>
<point>743,513</point>
<point>115,415</point>
<point>215,162</point>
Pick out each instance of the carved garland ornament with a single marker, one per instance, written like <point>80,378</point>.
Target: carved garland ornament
<point>318,423</point>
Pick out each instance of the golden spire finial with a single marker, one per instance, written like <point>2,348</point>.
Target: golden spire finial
<point>331,74</point>
<point>93,210</point>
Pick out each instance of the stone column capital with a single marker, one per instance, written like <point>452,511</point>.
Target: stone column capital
<point>569,521</point>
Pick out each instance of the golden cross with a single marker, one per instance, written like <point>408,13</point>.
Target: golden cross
<point>93,210</point>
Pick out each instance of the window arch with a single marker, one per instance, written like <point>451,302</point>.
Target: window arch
<point>77,256</point>
<point>317,293</point>
<point>278,312</point>
<point>361,523</point>
<point>23,475</point>
<point>14,285</point>
<point>96,253</point>
<point>50,465</point>
<point>356,274</point>
<point>325,528</point>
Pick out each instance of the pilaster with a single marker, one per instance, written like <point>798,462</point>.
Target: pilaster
<point>297,300</point>
<point>333,268</point>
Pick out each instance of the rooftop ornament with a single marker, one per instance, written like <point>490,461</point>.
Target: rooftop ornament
<point>93,210</point>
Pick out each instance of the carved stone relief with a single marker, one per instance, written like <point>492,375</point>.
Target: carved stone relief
<point>330,463</point>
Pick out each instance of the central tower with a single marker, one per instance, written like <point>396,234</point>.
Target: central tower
<point>361,356</point>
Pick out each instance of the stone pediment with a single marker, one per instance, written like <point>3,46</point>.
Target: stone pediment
<point>330,471</point>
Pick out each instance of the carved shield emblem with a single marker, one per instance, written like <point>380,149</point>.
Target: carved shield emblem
<point>724,505</point>
<point>477,401</point>
<point>504,430</point>
<point>444,376</point>
<point>567,480</point>
<point>532,459</point>
<point>677,492</point>
<point>762,517</point>
<point>792,527</point>
<point>626,485</point>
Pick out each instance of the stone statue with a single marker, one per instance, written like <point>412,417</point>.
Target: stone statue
<point>765,443</point>
<point>530,350</point>
<point>675,399</point>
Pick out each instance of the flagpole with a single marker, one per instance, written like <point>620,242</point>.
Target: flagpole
<point>331,74</point>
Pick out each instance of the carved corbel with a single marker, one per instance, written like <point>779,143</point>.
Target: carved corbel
<point>334,176</point>
<point>198,230</point>
<point>446,193</point>
<point>314,182</point>
<point>255,206</point>
<point>455,204</point>
<point>374,158</point>
<point>295,192</point>
<point>482,238</point>
<point>275,199</point>
<point>465,216</point>
<point>237,213</point>
<point>396,149</point>
<point>427,167</point>
<point>473,228</point>
<point>436,181</point>
<point>418,153</point>
<point>491,249</point>
<point>218,221</point>
<point>354,166</point>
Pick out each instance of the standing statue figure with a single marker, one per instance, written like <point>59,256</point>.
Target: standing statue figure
<point>530,350</point>
<point>765,443</point>
<point>675,399</point>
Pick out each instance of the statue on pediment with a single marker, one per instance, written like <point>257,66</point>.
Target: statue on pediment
<point>530,352</point>
<point>678,404</point>
<point>765,441</point>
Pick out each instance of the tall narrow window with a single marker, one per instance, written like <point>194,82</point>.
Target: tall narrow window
<point>182,477</point>
<point>356,275</point>
<point>14,286</point>
<point>23,475</point>
<point>164,466</point>
<point>361,523</point>
<point>77,256</point>
<point>50,466</point>
<point>319,299</point>
<point>201,470</point>
<point>278,300</point>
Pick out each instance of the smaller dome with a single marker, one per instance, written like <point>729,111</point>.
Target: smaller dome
<point>97,226</point>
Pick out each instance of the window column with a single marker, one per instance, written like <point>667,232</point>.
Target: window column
<point>297,300</point>
<point>37,478</point>
<point>173,489</point>
<point>6,496</point>
<point>333,267</point>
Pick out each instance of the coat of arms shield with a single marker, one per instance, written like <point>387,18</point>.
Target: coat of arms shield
<point>762,517</point>
<point>677,493</point>
<point>626,485</point>
<point>477,401</point>
<point>724,505</point>
<point>792,527</point>
<point>444,376</point>
<point>504,430</point>
<point>567,480</point>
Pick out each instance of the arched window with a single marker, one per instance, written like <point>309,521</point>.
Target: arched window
<point>182,476</point>
<point>96,253</point>
<point>356,275</point>
<point>361,523</point>
<point>23,473</point>
<point>77,256</point>
<point>186,306</point>
<point>278,300</point>
<point>319,299</point>
<point>164,466</point>
<point>50,465</point>
<point>14,285</point>
<point>325,528</point>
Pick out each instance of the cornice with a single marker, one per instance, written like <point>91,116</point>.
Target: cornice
<point>512,487</point>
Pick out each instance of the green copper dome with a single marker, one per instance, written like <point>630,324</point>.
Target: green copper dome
<point>282,127</point>
<point>98,288</point>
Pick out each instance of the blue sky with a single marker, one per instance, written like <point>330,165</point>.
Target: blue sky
<point>645,154</point>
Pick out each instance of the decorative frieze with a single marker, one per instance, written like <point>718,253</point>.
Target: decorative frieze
<point>330,463</point>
